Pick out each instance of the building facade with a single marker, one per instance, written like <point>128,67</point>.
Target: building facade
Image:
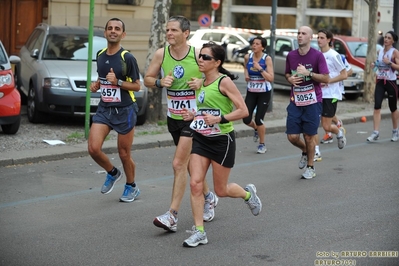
<point>350,17</point>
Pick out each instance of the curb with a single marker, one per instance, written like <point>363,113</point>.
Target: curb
<point>148,142</point>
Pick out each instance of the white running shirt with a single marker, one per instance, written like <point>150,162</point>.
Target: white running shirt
<point>335,66</point>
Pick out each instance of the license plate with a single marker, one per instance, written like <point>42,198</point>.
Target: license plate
<point>94,101</point>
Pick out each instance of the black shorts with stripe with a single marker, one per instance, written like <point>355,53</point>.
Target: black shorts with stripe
<point>221,148</point>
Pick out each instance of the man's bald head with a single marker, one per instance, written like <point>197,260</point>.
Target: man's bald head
<point>306,29</point>
<point>305,34</point>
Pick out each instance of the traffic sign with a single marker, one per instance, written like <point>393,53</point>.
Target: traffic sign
<point>215,4</point>
<point>204,20</point>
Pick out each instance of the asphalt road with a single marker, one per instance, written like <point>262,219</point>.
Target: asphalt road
<point>54,214</point>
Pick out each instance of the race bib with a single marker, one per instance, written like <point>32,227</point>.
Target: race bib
<point>383,72</point>
<point>110,93</point>
<point>199,125</point>
<point>305,95</point>
<point>257,84</point>
<point>177,100</point>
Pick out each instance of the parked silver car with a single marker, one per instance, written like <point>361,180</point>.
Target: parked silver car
<point>53,72</point>
<point>286,43</point>
<point>232,39</point>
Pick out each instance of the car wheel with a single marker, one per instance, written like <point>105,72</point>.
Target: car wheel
<point>18,85</point>
<point>141,119</point>
<point>352,96</point>
<point>34,115</point>
<point>11,128</point>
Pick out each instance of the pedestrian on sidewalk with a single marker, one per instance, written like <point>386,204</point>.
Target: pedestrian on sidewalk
<point>177,62</point>
<point>258,74</point>
<point>388,63</point>
<point>214,138</point>
<point>117,109</point>
<point>305,70</point>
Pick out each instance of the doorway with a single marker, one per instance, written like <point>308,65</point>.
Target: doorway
<point>19,18</point>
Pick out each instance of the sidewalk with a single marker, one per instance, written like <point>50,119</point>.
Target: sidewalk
<point>152,141</point>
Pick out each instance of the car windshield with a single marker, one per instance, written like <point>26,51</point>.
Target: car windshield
<point>3,57</point>
<point>246,36</point>
<point>313,44</point>
<point>71,47</point>
<point>359,49</point>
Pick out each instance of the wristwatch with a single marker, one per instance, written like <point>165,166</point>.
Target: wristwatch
<point>120,82</point>
<point>310,74</point>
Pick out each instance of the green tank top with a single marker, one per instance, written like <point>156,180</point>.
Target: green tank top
<point>210,100</point>
<point>179,95</point>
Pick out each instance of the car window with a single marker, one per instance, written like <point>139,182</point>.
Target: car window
<point>314,45</point>
<point>32,39</point>
<point>282,46</point>
<point>234,39</point>
<point>37,41</point>
<point>339,47</point>
<point>3,56</point>
<point>71,46</point>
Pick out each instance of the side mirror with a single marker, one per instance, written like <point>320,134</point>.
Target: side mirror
<point>35,53</point>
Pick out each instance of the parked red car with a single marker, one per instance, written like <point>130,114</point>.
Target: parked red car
<point>354,48</point>
<point>10,99</point>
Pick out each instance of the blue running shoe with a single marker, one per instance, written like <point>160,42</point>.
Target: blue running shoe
<point>256,136</point>
<point>110,182</point>
<point>130,193</point>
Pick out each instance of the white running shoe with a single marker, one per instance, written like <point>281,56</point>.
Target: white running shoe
<point>303,162</point>
<point>196,238</point>
<point>261,149</point>
<point>209,207</point>
<point>374,136</point>
<point>341,140</point>
<point>395,135</point>
<point>253,202</point>
<point>317,157</point>
<point>166,221</point>
<point>309,173</point>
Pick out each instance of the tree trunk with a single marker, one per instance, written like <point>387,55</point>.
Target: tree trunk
<point>160,16</point>
<point>369,75</point>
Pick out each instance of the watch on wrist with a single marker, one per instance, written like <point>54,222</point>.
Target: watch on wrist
<point>310,74</point>
<point>120,82</point>
<point>261,70</point>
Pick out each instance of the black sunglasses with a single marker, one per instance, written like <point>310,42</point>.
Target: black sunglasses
<point>206,57</point>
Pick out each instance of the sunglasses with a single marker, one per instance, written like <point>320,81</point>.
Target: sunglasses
<point>206,57</point>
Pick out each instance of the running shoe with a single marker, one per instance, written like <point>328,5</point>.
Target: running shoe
<point>197,237</point>
<point>262,148</point>
<point>309,173</point>
<point>303,162</point>
<point>166,221</point>
<point>130,193</point>
<point>374,136</point>
<point>317,157</point>
<point>256,136</point>
<point>341,140</point>
<point>341,125</point>
<point>253,202</point>
<point>209,207</point>
<point>110,182</point>
<point>395,135</point>
<point>327,139</point>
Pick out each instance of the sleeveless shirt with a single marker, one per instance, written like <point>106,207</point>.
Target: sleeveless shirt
<point>179,95</point>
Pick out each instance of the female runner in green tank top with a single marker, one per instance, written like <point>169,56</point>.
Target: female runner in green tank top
<point>214,140</point>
